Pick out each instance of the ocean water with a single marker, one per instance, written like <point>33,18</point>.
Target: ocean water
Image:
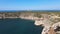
<point>19,26</point>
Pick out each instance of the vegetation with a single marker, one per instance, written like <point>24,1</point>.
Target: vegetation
<point>36,13</point>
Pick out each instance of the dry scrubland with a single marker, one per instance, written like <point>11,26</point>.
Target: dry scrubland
<point>26,13</point>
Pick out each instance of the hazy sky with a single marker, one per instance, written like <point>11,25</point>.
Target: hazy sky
<point>29,4</point>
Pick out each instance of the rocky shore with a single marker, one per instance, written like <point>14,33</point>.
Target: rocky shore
<point>37,16</point>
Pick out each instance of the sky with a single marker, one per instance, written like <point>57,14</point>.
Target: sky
<point>29,4</point>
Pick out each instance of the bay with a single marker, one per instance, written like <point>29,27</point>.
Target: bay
<point>19,26</point>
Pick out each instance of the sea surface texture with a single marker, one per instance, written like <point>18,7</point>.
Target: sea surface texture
<point>19,26</point>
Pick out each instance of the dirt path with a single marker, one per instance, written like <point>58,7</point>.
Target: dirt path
<point>52,31</point>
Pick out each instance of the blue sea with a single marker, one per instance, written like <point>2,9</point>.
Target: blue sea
<point>19,26</point>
